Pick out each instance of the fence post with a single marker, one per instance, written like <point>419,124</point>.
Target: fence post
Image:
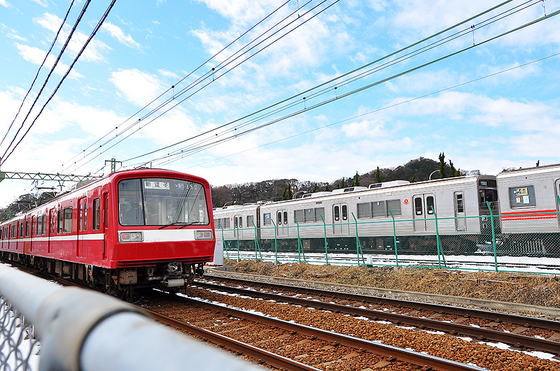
<point>395,238</point>
<point>438,242</point>
<point>300,247</point>
<point>326,245</point>
<point>358,245</point>
<point>493,235</point>
<point>257,247</point>
<point>224,241</point>
<point>275,241</point>
<point>237,235</point>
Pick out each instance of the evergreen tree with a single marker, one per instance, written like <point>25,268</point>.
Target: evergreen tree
<point>453,171</point>
<point>342,183</point>
<point>442,173</point>
<point>377,176</point>
<point>413,179</point>
<point>314,188</point>
<point>287,194</point>
<point>356,180</point>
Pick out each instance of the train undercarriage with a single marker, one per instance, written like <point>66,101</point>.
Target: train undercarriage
<point>120,282</point>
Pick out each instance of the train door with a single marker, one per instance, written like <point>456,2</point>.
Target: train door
<point>82,227</point>
<point>238,226</point>
<point>424,219</point>
<point>459,204</point>
<point>52,229</point>
<point>340,219</point>
<point>557,197</point>
<point>282,222</point>
<point>104,222</point>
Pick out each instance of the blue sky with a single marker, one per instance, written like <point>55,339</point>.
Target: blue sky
<point>493,106</point>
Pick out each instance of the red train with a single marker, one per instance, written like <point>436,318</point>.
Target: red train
<point>136,228</point>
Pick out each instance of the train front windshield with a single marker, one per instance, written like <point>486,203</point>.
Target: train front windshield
<point>160,202</point>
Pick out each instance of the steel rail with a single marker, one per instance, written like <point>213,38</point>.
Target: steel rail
<point>465,312</point>
<point>404,355</point>
<point>232,344</point>
<point>479,333</point>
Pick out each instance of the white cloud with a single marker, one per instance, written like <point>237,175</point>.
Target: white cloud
<point>136,86</point>
<point>93,52</point>
<point>36,56</point>
<point>118,34</point>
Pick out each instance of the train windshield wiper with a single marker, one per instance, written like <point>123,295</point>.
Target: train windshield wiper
<point>175,223</point>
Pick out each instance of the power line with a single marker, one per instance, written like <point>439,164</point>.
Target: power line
<point>169,89</point>
<point>38,71</point>
<point>189,96</point>
<point>63,49</point>
<point>197,147</point>
<point>97,27</point>
<point>370,112</point>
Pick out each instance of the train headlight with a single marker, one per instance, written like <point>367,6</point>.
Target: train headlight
<point>131,237</point>
<point>203,235</point>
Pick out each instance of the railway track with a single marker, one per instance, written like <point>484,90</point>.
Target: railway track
<point>318,349</point>
<point>311,339</point>
<point>517,331</point>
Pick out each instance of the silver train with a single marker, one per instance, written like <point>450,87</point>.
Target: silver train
<point>517,208</point>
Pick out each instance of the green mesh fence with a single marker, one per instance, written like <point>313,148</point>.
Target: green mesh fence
<point>507,243</point>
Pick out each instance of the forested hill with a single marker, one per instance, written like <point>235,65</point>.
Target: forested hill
<point>278,189</point>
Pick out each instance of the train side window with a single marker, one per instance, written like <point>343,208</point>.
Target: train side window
<point>279,218</point>
<point>459,204</point>
<point>394,206</point>
<point>522,196</point>
<point>81,217</point>
<point>250,220</point>
<point>27,229</point>
<point>319,212</point>
<point>39,229</point>
<point>364,210</point>
<point>344,212</point>
<point>378,209</point>
<point>336,213</point>
<point>21,226</point>
<point>44,222</point>
<point>267,219</point>
<point>285,217</point>
<point>106,213</point>
<point>67,220</point>
<point>299,216</point>
<point>430,206</point>
<point>96,214</point>
<point>418,206</point>
<point>13,231</point>
<point>309,215</point>
<point>60,221</point>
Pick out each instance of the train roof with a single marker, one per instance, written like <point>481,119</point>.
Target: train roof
<point>533,169</point>
<point>382,187</point>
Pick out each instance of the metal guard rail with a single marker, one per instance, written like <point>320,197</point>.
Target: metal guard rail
<point>83,330</point>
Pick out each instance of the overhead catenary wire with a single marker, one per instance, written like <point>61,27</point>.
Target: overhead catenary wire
<point>171,160</point>
<point>306,93</point>
<point>237,135</point>
<point>197,147</point>
<point>63,49</point>
<point>86,43</point>
<point>39,70</point>
<point>83,152</point>
<point>181,101</point>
